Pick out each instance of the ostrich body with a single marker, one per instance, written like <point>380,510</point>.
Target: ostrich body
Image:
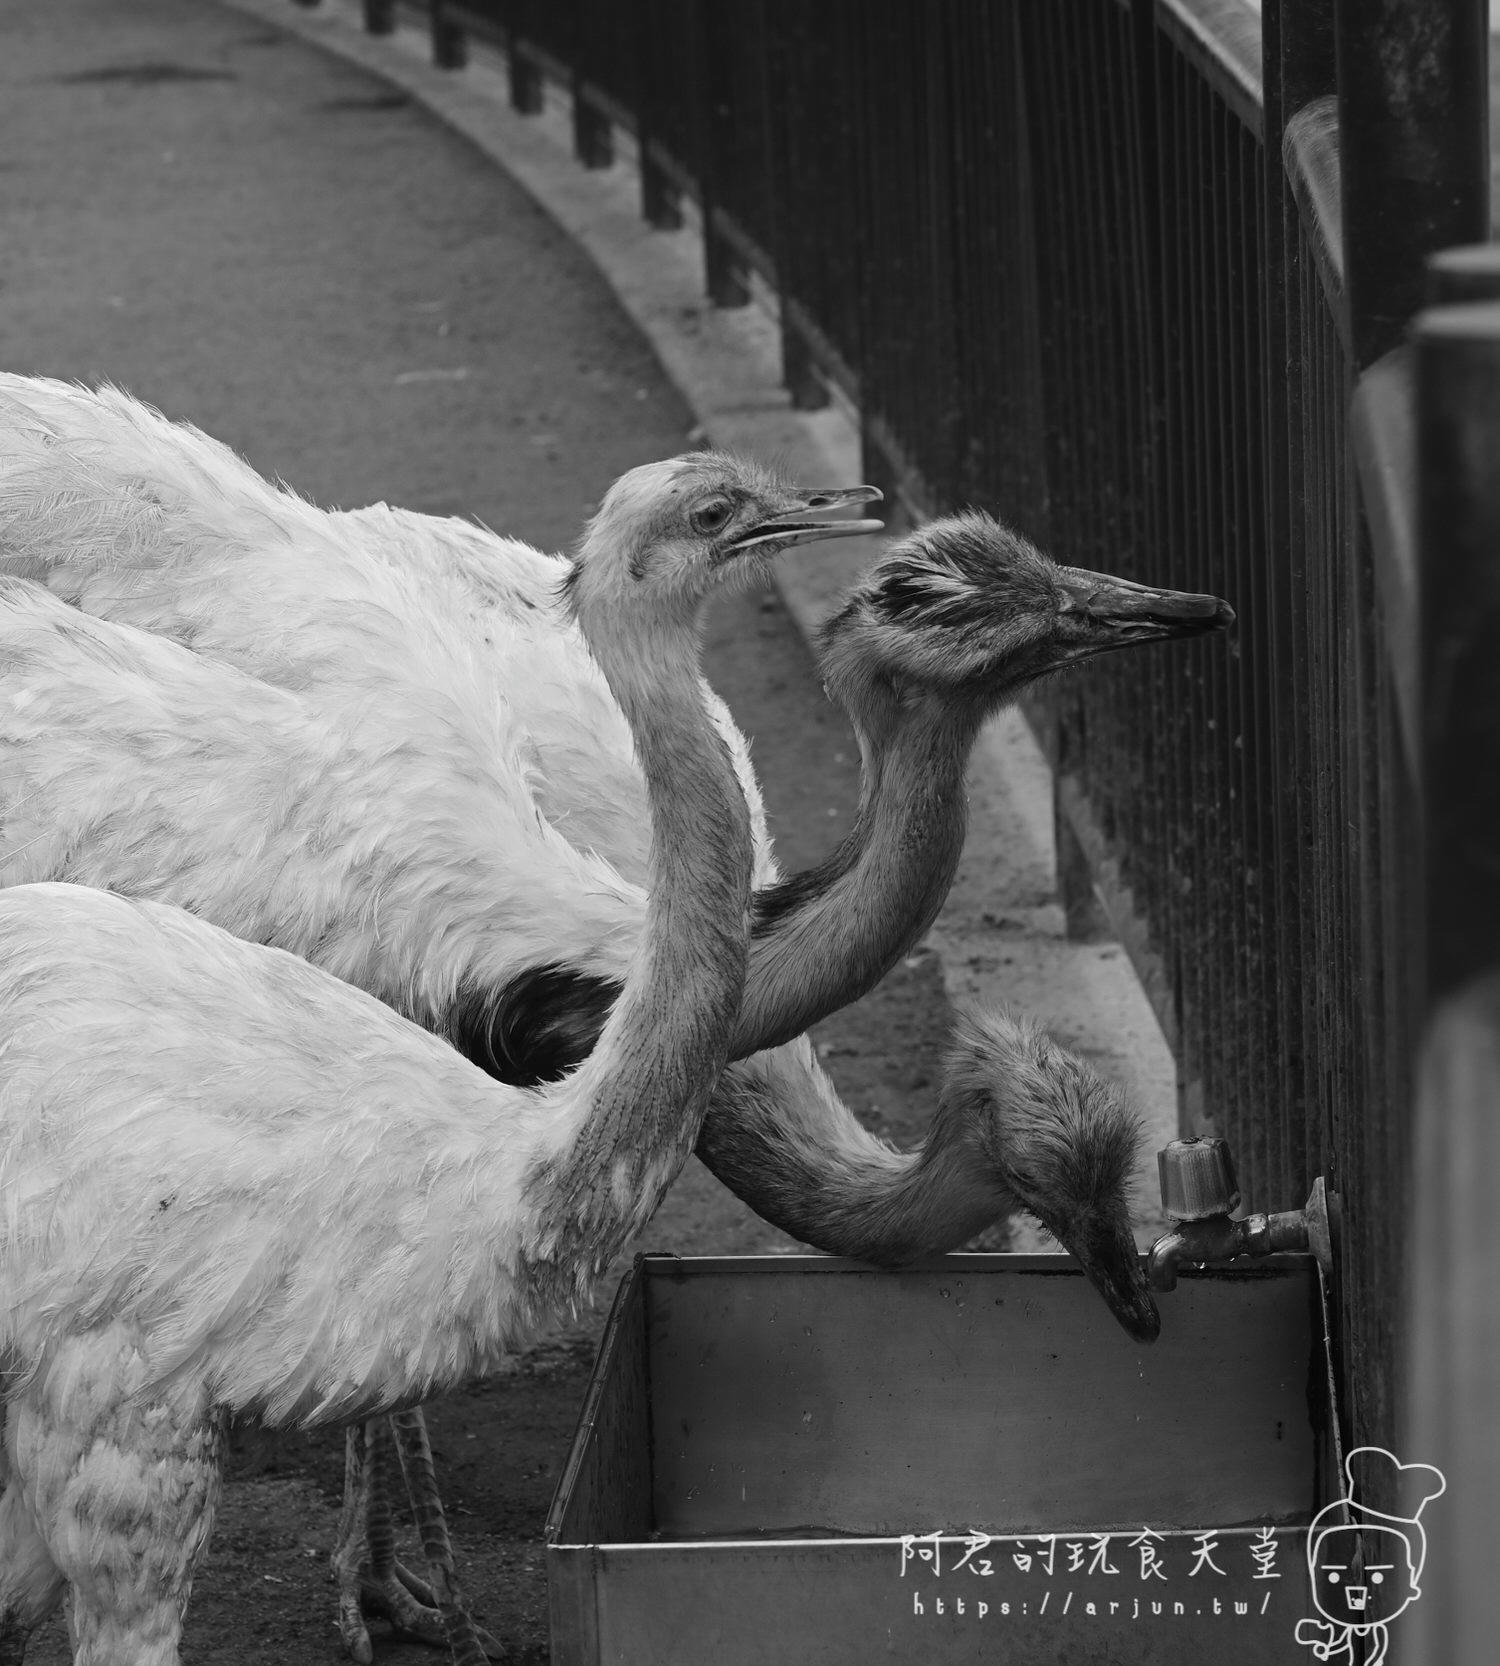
<point>147,522</point>
<point>130,763</point>
<point>236,1185</point>
<point>454,638</point>
<point>177,535</point>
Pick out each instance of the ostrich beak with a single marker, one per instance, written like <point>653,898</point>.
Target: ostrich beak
<point>1098,613</point>
<point>1107,1253</point>
<point>797,525</point>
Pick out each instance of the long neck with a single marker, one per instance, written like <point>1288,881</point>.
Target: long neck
<point>826,936</point>
<point>636,1102</point>
<point>780,1138</point>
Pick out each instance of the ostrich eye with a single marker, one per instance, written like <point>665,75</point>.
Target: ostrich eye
<point>712,515</point>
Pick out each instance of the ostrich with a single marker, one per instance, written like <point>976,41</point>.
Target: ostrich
<point>952,622</point>
<point>235,1185</point>
<point>239,1186</point>
<point>143,521</point>
<point>123,751</point>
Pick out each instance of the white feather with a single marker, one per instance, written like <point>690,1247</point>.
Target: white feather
<point>230,1182</point>
<point>147,522</point>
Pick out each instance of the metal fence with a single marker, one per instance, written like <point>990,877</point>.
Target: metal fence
<point>1120,270</point>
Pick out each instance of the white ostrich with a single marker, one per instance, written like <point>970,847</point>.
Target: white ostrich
<point>415,623</point>
<point>233,1184</point>
<point>397,612</point>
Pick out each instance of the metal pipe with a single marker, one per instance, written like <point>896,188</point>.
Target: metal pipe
<point>1199,1189</point>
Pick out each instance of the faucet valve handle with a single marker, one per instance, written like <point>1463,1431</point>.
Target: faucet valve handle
<point>1197,1179</point>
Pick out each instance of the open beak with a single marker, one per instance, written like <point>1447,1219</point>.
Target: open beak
<point>1108,1255</point>
<point>800,525</point>
<point>1098,613</point>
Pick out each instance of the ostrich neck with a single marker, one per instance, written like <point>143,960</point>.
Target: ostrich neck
<point>826,936</point>
<point>816,1172</point>
<point>637,1100</point>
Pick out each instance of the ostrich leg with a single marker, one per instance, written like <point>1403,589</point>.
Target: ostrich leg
<point>471,1645</point>
<point>364,1555</point>
<point>30,1584</point>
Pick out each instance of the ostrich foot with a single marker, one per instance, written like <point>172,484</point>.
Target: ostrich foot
<point>416,1615</point>
<point>400,1598</point>
<point>370,1579</point>
<point>471,1644</point>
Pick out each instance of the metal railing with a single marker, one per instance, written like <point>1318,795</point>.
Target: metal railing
<point>1120,270</point>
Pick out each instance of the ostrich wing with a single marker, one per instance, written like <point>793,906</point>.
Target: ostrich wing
<point>150,523</point>
<point>130,763</point>
<point>200,1112</point>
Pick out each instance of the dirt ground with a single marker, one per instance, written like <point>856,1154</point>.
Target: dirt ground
<point>268,243</point>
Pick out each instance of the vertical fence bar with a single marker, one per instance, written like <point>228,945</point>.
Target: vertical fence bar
<point>1298,55</point>
<point>523,76</point>
<point>450,47</point>
<point>724,274</point>
<point>593,137</point>
<point>661,198</point>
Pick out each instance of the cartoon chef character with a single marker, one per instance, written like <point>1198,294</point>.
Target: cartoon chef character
<point>1365,1571</point>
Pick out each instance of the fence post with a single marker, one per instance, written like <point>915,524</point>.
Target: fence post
<point>450,47</point>
<point>527,89</point>
<point>593,137</point>
<point>806,387</point>
<point>723,275</point>
<point>524,79</point>
<point>661,201</point>
<point>1453,1342</point>
<point>793,47</point>
<point>1458,404</point>
<point>1413,151</point>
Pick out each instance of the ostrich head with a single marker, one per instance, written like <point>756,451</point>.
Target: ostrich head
<point>674,530</point>
<point>972,612</point>
<point>1055,1135</point>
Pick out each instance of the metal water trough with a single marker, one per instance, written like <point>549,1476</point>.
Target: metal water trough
<point>799,1458</point>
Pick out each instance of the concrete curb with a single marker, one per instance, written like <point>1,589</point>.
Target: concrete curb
<point>1000,935</point>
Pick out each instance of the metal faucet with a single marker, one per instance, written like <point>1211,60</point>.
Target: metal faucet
<point>1198,1191</point>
